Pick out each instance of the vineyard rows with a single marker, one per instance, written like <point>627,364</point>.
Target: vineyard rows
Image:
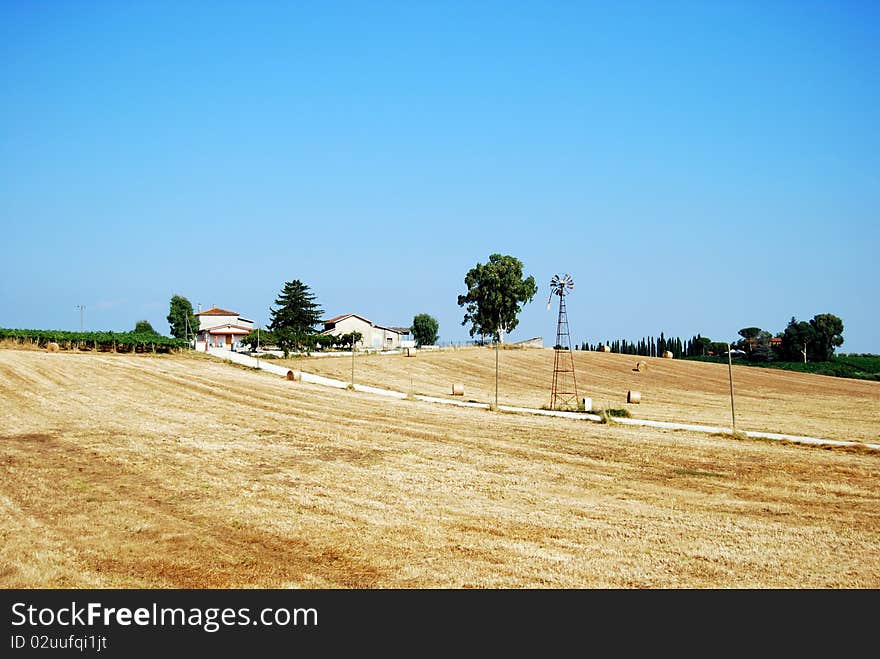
<point>98,341</point>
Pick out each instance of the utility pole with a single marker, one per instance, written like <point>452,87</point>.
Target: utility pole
<point>352,361</point>
<point>497,341</point>
<point>730,373</point>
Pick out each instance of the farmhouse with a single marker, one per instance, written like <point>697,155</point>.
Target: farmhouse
<point>376,337</point>
<point>220,328</point>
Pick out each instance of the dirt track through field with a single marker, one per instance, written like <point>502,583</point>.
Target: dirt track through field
<point>149,471</point>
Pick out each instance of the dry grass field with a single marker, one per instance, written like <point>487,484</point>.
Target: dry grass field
<point>672,390</point>
<point>142,471</point>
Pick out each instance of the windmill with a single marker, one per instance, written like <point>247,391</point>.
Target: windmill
<point>564,392</point>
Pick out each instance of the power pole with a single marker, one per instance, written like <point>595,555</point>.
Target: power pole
<point>498,331</point>
<point>730,373</point>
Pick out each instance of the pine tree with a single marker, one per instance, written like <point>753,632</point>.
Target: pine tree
<point>297,312</point>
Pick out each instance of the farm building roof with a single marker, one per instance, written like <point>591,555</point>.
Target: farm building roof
<point>215,311</point>
<point>344,316</point>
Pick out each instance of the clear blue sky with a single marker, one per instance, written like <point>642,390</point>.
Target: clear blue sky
<point>696,167</point>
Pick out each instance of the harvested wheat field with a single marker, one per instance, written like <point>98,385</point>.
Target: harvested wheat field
<point>671,390</point>
<point>179,471</point>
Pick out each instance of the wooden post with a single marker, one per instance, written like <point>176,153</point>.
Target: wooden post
<point>730,373</point>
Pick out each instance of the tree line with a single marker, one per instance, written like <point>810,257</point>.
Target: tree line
<point>814,340</point>
<point>650,346</point>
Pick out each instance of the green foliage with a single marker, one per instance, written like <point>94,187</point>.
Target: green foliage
<point>262,336</point>
<point>425,329</point>
<point>347,341</point>
<point>144,327</point>
<point>325,341</point>
<point>297,313</point>
<point>860,367</point>
<point>495,294</point>
<point>125,341</point>
<point>820,336</point>
<point>797,337</point>
<point>761,353</point>
<point>750,332</point>
<point>702,344</point>
<point>181,318</point>
<point>717,348</point>
<point>828,330</point>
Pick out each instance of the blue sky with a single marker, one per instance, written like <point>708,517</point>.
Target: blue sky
<point>696,167</point>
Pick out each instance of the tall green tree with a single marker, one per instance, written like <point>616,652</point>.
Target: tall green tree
<point>828,335</point>
<point>496,292</point>
<point>144,327</point>
<point>181,318</point>
<point>297,317</point>
<point>799,336</point>
<point>750,332</point>
<point>424,329</point>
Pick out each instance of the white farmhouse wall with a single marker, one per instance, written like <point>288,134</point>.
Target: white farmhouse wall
<point>207,322</point>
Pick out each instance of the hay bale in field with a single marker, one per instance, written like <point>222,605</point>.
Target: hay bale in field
<point>667,354</point>
<point>641,367</point>
<point>53,347</point>
<point>458,389</point>
<point>411,352</point>
<point>295,376</point>
<point>605,348</point>
<point>633,397</point>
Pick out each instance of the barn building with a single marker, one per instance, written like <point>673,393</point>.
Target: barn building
<point>375,337</point>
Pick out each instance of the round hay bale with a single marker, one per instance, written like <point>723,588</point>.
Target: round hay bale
<point>458,389</point>
<point>295,376</point>
<point>641,367</point>
<point>605,348</point>
<point>633,397</point>
<point>53,347</point>
<point>667,354</point>
<point>411,352</point>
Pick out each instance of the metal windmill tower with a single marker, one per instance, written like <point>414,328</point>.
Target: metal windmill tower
<point>564,392</point>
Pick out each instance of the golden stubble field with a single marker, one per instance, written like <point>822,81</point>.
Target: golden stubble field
<point>141,471</point>
<point>672,390</point>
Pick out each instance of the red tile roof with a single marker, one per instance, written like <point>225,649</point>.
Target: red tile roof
<point>215,311</point>
<point>344,316</point>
